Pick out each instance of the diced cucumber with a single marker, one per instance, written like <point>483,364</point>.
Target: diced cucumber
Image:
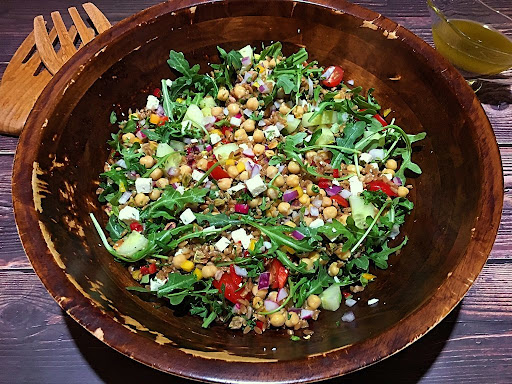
<point>177,145</point>
<point>206,111</point>
<point>326,117</point>
<point>163,149</point>
<point>207,101</point>
<point>194,115</point>
<point>326,137</point>
<point>173,161</point>
<point>246,52</point>
<point>331,298</point>
<point>360,211</point>
<point>291,126</point>
<point>222,152</point>
<point>132,243</point>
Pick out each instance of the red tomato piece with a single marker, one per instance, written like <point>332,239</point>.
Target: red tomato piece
<point>381,120</point>
<point>381,186</point>
<point>157,92</point>
<point>152,268</point>
<point>347,295</point>
<point>144,270</point>
<point>323,183</point>
<point>136,226</point>
<point>225,129</point>
<point>278,274</point>
<point>259,324</point>
<point>334,79</point>
<point>231,282</point>
<point>340,200</point>
<point>218,173</point>
<point>335,173</point>
<point>163,120</point>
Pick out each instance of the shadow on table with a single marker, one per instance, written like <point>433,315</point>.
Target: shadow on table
<point>407,366</point>
<point>498,96</point>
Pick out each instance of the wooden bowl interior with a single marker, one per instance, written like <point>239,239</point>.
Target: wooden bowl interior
<point>446,197</point>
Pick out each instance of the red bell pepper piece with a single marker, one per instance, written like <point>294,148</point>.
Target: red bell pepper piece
<point>157,92</point>
<point>341,201</point>
<point>381,186</point>
<point>347,295</point>
<point>231,282</point>
<point>259,324</point>
<point>323,183</point>
<point>381,120</point>
<point>152,268</point>
<point>278,274</point>
<point>335,77</point>
<point>136,226</point>
<point>144,270</point>
<point>163,120</point>
<point>218,173</point>
<point>335,173</point>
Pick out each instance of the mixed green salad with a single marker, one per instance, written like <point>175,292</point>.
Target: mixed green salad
<point>257,194</point>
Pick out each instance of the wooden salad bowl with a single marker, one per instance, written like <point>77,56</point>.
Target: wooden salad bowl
<point>458,199</point>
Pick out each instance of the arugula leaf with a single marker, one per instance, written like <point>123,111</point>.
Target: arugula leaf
<point>351,133</point>
<point>377,198</point>
<point>273,50</point>
<point>381,258</point>
<point>115,228</point>
<point>113,117</point>
<point>313,287</point>
<point>288,83</point>
<point>172,202</point>
<point>178,62</point>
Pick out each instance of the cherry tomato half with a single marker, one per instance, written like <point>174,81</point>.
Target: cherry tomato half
<point>335,77</point>
<point>231,282</point>
<point>341,201</point>
<point>218,173</point>
<point>278,274</point>
<point>381,186</point>
<point>136,226</point>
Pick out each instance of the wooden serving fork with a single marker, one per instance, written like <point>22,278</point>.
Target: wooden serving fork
<point>36,61</point>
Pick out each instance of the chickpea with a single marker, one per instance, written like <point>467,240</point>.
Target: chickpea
<point>233,171</point>
<point>155,194</point>
<point>258,149</point>
<point>272,63</point>
<point>292,181</point>
<point>284,208</point>
<point>147,161</point>
<point>272,193</point>
<point>223,94</point>
<point>252,104</point>
<point>239,91</point>
<point>249,125</point>
<point>298,111</point>
<point>277,320</point>
<point>322,193</point>
<point>255,202</point>
<point>402,191</point>
<point>391,164</point>
<point>292,319</point>
<point>257,303</point>
<point>309,263</point>
<point>293,167</point>
<point>314,256</point>
<point>330,212</point>
<point>279,181</point>
<point>162,182</point>
<point>310,155</point>
<point>240,134</point>
<point>141,199</point>
<point>314,301</point>
<point>308,220</point>
<point>258,136</point>
<point>343,219</point>
<point>128,137</point>
<point>216,111</point>
<point>271,172</point>
<point>351,168</point>
<point>333,269</point>
<point>343,255</point>
<point>202,164</point>
<point>326,202</point>
<point>225,183</point>
<point>179,259</point>
<point>272,296</point>
<point>185,170</point>
<point>156,174</point>
<point>262,293</point>
<point>233,109</point>
<point>208,270</point>
<point>304,199</point>
<point>284,109</point>
<point>244,176</point>
<point>389,171</point>
<point>309,189</point>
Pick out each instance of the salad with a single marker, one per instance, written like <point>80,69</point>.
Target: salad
<point>257,194</point>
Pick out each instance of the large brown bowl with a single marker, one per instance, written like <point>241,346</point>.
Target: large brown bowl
<point>451,230</point>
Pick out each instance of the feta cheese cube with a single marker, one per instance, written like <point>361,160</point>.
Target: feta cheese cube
<point>335,182</point>
<point>365,157</point>
<point>236,188</point>
<point>316,223</point>
<point>215,138</point>
<point>168,82</point>
<point>271,132</point>
<point>243,146</point>
<point>388,176</point>
<point>241,236</point>
<point>129,214</point>
<point>187,216</point>
<point>144,184</point>
<point>374,166</point>
<point>196,175</point>
<point>256,185</point>
<point>152,102</point>
<point>308,138</point>
<point>356,187</point>
<point>181,189</point>
<point>155,283</point>
<point>222,244</point>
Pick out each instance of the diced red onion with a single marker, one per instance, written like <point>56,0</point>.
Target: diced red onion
<point>306,314</point>
<point>208,184</point>
<point>142,123</point>
<point>397,180</point>
<point>345,193</point>
<point>296,310</point>
<point>248,152</point>
<point>281,295</point>
<point>246,60</point>
<point>200,147</point>
<point>264,280</point>
<point>173,171</point>
<point>333,190</point>
<point>280,168</point>
<point>290,117</point>
<point>310,88</point>
<point>187,140</point>
<point>297,235</point>
<point>236,308</point>
<point>235,121</point>
<point>240,271</point>
<point>267,244</point>
<point>121,163</point>
<point>348,317</point>
<point>242,208</point>
<point>313,211</point>
<point>317,203</point>
<point>395,231</point>
<point>140,135</point>
<point>208,120</point>
<point>350,82</point>
<point>271,305</point>
<point>350,302</point>
<point>290,195</point>
<point>125,197</point>
<point>160,111</point>
<point>247,77</point>
<point>132,175</point>
<point>225,111</point>
<point>209,148</point>
<point>261,123</point>
<point>255,170</point>
<point>175,185</point>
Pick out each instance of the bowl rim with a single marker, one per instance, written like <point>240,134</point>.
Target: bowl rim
<point>73,299</point>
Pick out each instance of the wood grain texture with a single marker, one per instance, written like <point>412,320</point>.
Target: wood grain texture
<point>471,345</point>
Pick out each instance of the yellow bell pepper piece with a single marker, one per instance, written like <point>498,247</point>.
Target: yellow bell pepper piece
<point>240,166</point>
<point>368,276</point>
<point>175,179</point>
<point>137,275</point>
<point>217,131</point>
<point>260,68</point>
<point>230,162</point>
<point>122,187</point>
<point>387,112</point>
<point>154,118</point>
<point>286,248</point>
<point>187,266</point>
<point>290,224</point>
<point>180,100</point>
<point>198,274</point>
<point>299,191</point>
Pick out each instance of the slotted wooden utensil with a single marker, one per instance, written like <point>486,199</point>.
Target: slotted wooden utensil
<point>36,61</point>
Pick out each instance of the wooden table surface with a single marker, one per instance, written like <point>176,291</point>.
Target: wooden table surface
<point>39,343</point>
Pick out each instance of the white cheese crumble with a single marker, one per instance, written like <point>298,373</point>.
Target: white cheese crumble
<point>241,236</point>
<point>144,184</point>
<point>152,102</point>
<point>365,157</point>
<point>256,185</point>
<point>222,244</point>
<point>215,138</point>
<point>128,214</point>
<point>180,189</point>
<point>196,175</point>
<point>271,132</point>
<point>389,176</point>
<point>156,283</point>
<point>187,216</point>
<point>356,186</point>
<point>316,223</point>
<point>236,188</point>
